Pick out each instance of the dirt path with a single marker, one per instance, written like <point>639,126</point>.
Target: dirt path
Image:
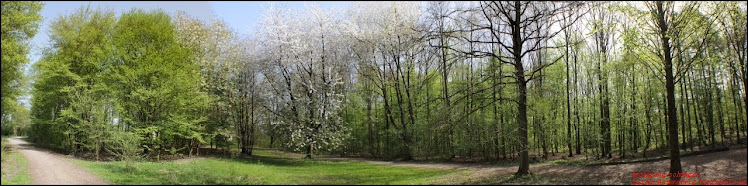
<point>48,168</point>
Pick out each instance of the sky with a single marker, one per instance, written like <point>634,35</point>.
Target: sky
<point>242,16</point>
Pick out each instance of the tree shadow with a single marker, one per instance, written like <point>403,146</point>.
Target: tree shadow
<point>22,144</point>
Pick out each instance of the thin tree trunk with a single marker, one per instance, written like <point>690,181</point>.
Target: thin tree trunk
<point>519,74</point>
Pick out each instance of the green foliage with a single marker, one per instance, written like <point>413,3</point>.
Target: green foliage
<point>20,21</point>
<point>156,81</point>
<point>123,145</point>
<point>225,78</point>
<point>18,122</point>
<point>71,106</point>
<point>96,85</point>
<point>88,115</point>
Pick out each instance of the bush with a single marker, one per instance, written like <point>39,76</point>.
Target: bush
<point>124,145</point>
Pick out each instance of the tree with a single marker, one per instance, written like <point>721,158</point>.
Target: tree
<point>156,82</point>
<point>602,26</point>
<point>69,82</point>
<point>509,26</point>
<point>228,75</point>
<point>20,22</point>
<point>305,63</point>
<point>568,93</point>
<point>441,14</point>
<point>668,23</point>
<point>248,84</point>
<point>733,23</point>
<point>18,121</point>
<point>88,116</point>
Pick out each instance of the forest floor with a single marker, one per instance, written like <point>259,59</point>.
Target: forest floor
<point>48,167</point>
<point>725,167</point>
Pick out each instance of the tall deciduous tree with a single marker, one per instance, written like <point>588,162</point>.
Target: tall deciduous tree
<point>69,82</point>
<point>20,22</point>
<point>509,25</point>
<point>668,22</point>
<point>156,82</point>
<point>602,30</point>
<point>733,22</point>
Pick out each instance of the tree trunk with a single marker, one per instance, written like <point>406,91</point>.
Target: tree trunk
<point>720,114</point>
<point>445,93</point>
<point>568,102</point>
<point>251,135</point>
<point>675,166</point>
<point>576,104</point>
<point>634,119</point>
<point>308,150</point>
<point>370,123</point>
<point>697,117</point>
<point>682,115</point>
<point>604,105</point>
<point>735,90</point>
<point>519,74</point>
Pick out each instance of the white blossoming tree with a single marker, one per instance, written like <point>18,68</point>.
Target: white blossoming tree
<point>304,71</point>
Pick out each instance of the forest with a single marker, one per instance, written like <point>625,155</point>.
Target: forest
<point>515,81</point>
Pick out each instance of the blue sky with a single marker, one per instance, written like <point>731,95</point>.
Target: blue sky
<point>241,16</point>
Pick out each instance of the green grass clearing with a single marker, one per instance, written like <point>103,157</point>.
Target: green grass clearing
<point>266,170</point>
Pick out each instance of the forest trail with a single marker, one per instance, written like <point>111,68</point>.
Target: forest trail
<point>48,168</point>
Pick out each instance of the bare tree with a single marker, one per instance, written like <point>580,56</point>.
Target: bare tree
<point>668,23</point>
<point>510,26</point>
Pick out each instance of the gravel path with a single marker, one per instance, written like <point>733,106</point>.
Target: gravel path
<point>49,168</point>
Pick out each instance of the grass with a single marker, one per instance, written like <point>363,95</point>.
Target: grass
<point>265,169</point>
<point>15,168</point>
<point>265,153</point>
